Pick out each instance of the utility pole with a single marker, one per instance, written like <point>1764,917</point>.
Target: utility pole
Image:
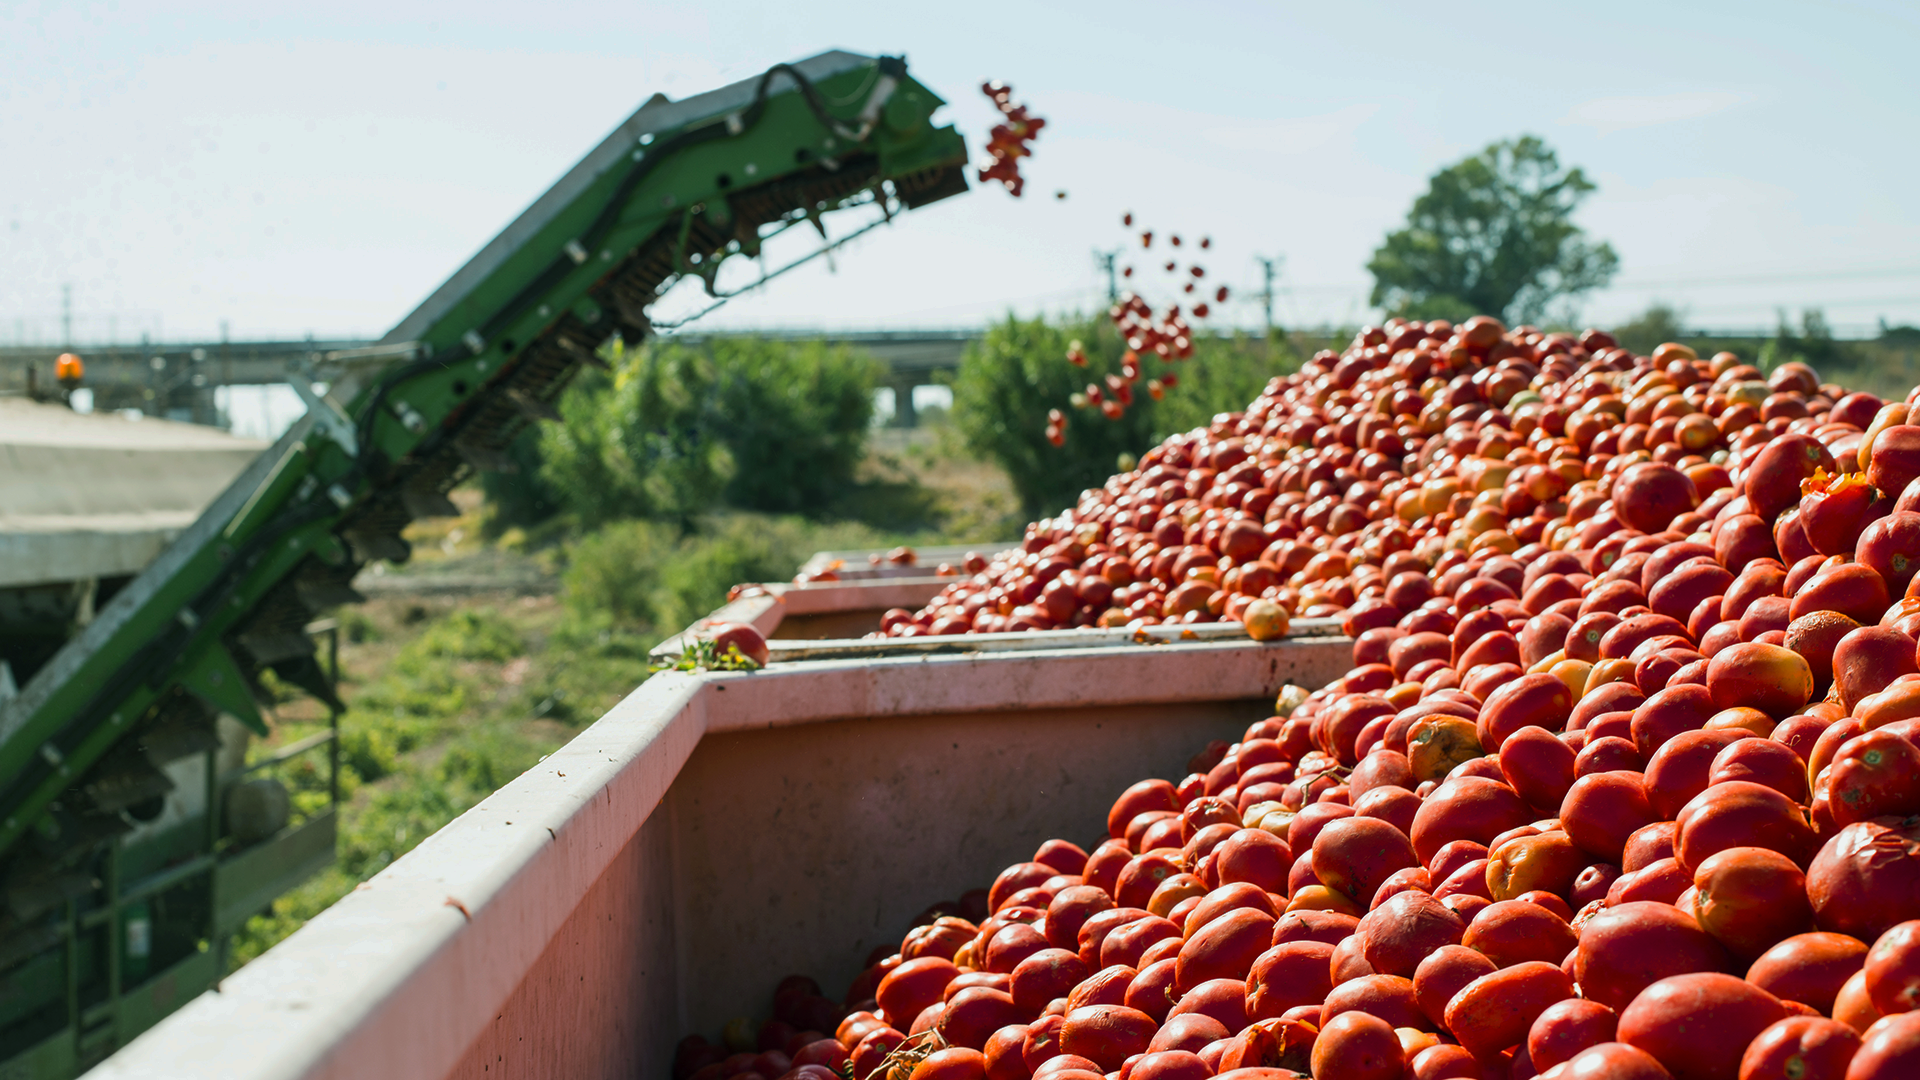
<point>1105,260</point>
<point>66,316</point>
<point>154,363</point>
<point>226,378</point>
<point>1270,269</point>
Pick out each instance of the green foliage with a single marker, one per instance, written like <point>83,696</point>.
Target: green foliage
<point>440,727</point>
<point>1883,366</point>
<point>678,431</point>
<point>700,655</point>
<point>630,584</point>
<point>1888,365</point>
<point>418,799</point>
<point>424,693</point>
<point>1650,329</point>
<point>419,745</point>
<point>1812,344</point>
<point>1899,337</point>
<point>591,665</point>
<point>367,749</point>
<point>467,634</point>
<point>1493,234</point>
<point>646,578</point>
<point>1009,380</point>
<point>523,497</point>
<point>356,626</point>
<point>615,571</point>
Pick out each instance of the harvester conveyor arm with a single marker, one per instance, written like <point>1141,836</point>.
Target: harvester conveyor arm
<point>673,192</point>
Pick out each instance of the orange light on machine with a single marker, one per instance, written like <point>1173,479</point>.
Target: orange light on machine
<point>68,370</point>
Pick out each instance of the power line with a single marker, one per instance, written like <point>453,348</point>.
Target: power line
<point>1774,278</point>
<point>1846,302</point>
<point>1787,277</point>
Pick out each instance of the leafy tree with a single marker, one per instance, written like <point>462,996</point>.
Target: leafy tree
<point>649,577</point>
<point>1813,344</point>
<point>1899,336</point>
<point>1018,371</point>
<point>1649,329</point>
<point>740,422</point>
<point>1493,234</point>
<point>523,496</point>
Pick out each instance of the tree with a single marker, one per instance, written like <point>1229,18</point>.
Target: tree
<point>1813,345</point>
<point>1493,235</point>
<point>1647,330</point>
<point>677,431</point>
<point>1012,376</point>
<point>1900,336</point>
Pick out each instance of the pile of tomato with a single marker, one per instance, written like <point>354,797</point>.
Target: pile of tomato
<point>1624,780</point>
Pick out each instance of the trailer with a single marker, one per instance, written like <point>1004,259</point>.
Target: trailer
<point>716,830</point>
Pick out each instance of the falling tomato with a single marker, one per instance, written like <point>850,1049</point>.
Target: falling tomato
<point>1009,142</point>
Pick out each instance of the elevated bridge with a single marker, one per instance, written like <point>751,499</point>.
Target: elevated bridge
<point>176,380</point>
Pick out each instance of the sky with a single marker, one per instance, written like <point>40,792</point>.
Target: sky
<point>284,170</point>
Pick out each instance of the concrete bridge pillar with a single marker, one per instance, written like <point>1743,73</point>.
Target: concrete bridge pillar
<point>903,411</point>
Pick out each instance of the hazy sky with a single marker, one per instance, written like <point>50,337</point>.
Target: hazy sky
<point>322,172</point>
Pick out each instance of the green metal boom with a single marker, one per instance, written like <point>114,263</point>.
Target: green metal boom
<point>670,194</point>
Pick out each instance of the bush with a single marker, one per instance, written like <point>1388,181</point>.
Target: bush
<point>1885,366</point>
<point>1647,330</point>
<point>640,576</point>
<point>466,634</point>
<point>1019,370</point>
<point>523,497</point>
<point>630,584</point>
<point>678,431</point>
<point>616,570</point>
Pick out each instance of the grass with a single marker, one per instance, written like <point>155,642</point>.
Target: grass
<point>445,704</point>
<point>452,695</point>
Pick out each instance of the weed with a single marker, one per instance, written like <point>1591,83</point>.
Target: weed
<point>358,626</point>
<point>643,577</point>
